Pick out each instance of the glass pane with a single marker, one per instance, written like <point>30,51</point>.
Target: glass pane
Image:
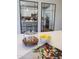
<point>29,17</point>
<point>47,19</point>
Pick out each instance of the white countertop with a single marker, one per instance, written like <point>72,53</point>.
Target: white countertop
<point>56,42</point>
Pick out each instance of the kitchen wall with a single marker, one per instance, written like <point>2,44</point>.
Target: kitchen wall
<point>58,19</point>
<point>58,15</point>
<point>18,18</point>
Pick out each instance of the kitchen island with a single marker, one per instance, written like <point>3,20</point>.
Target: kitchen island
<point>56,41</point>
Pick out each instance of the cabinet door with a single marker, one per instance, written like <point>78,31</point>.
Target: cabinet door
<point>47,17</point>
<point>28,16</point>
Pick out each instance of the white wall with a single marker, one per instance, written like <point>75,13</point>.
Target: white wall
<point>18,18</point>
<point>58,18</point>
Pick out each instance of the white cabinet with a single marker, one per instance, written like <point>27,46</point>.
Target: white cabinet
<point>36,16</point>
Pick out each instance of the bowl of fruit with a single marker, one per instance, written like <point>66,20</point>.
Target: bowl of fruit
<point>30,41</point>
